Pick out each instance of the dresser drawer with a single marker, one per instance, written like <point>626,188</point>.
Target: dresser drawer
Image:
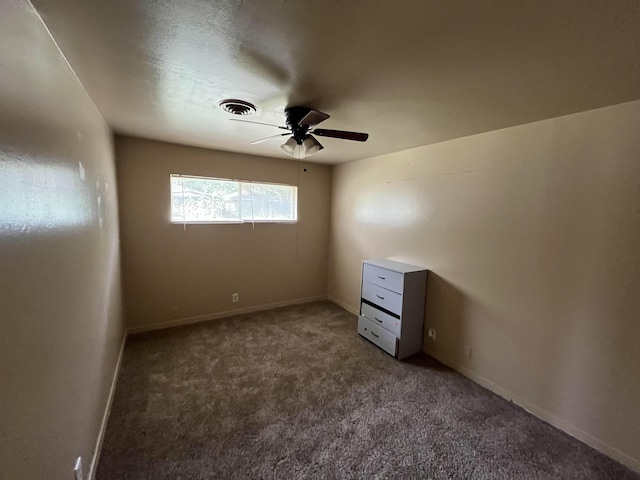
<point>380,318</point>
<point>378,335</point>
<point>382,297</point>
<point>384,278</point>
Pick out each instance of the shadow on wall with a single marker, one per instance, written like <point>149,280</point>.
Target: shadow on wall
<point>489,342</point>
<point>445,312</point>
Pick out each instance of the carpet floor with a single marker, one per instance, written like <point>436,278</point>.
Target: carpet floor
<point>296,393</point>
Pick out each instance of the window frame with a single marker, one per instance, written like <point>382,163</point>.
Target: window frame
<point>233,222</point>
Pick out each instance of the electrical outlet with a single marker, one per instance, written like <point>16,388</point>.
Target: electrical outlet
<point>77,469</point>
<point>467,351</point>
<point>234,298</point>
<point>431,333</point>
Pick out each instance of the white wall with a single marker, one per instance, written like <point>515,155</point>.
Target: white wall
<point>172,273</point>
<point>532,235</point>
<point>60,309</point>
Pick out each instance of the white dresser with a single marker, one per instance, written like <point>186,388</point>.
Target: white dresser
<point>392,306</point>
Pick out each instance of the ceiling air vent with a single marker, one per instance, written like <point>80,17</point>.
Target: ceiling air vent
<point>237,107</point>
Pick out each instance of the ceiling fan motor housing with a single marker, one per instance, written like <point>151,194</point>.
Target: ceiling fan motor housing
<point>294,116</point>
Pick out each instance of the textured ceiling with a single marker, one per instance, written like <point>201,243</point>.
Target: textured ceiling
<point>410,72</point>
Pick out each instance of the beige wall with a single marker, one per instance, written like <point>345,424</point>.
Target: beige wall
<point>532,235</point>
<point>171,273</point>
<point>60,314</point>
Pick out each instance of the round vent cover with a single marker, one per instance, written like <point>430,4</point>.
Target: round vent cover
<point>237,107</point>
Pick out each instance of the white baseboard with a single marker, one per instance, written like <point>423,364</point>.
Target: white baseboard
<point>541,413</point>
<point>340,303</point>
<point>105,416</point>
<point>227,313</point>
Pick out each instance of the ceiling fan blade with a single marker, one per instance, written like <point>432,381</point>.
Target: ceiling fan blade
<point>258,123</point>
<point>358,137</point>
<point>313,118</point>
<point>269,138</point>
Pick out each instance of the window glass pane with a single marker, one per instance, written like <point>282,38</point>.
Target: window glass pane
<point>264,202</point>
<point>204,200</point>
<point>197,199</point>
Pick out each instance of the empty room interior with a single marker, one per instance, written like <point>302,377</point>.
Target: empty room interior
<point>319,239</point>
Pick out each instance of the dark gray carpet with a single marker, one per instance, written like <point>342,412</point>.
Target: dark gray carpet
<point>296,393</point>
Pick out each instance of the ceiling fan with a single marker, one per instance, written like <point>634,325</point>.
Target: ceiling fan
<point>301,122</point>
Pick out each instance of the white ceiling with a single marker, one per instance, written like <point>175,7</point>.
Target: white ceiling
<point>410,72</point>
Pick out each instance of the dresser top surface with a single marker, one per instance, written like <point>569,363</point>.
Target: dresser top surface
<point>394,266</point>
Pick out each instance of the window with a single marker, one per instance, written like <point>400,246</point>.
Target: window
<point>217,200</point>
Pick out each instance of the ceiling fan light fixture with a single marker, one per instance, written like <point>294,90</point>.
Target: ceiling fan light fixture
<point>303,149</point>
<point>292,148</point>
<point>311,146</point>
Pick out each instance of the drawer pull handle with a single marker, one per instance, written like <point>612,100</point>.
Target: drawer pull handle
<point>382,278</point>
<point>381,298</point>
<point>377,336</point>
<point>378,319</point>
